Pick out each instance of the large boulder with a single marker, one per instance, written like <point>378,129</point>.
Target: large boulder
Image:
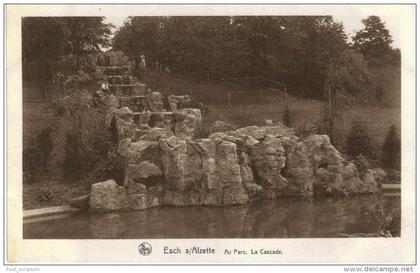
<point>380,175</point>
<point>178,102</point>
<point>201,172</point>
<point>152,134</point>
<point>142,150</point>
<point>181,165</point>
<point>188,123</point>
<point>298,169</point>
<point>220,126</point>
<point>269,159</point>
<point>124,122</point>
<point>165,120</point>
<point>139,201</point>
<point>260,132</point>
<point>108,196</point>
<point>143,170</point>
<point>154,101</point>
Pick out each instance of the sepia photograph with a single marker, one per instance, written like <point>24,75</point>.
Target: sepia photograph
<point>241,126</point>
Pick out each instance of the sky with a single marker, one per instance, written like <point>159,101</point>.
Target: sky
<point>351,20</point>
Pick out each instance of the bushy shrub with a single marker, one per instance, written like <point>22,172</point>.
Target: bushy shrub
<point>394,176</point>
<point>46,195</point>
<point>73,167</point>
<point>111,167</point>
<point>44,143</point>
<point>286,117</point>
<point>361,163</point>
<point>391,150</point>
<point>358,141</point>
<point>36,157</point>
<point>113,129</point>
<point>306,129</point>
<point>30,165</point>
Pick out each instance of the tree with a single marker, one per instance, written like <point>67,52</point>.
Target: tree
<point>42,42</point>
<point>87,34</point>
<point>374,40</point>
<point>44,39</point>
<point>286,117</point>
<point>73,168</point>
<point>301,51</point>
<point>113,129</point>
<point>391,149</point>
<point>138,36</point>
<point>358,141</point>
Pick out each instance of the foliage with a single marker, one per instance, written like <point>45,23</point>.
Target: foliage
<point>42,37</point>
<point>73,167</point>
<point>286,117</point>
<point>391,150</point>
<point>46,195</point>
<point>394,176</point>
<point>358,141</point>
<point>138,35</point>
<point>45,145</point>
<point>374,40</point>
<point>36,157</point>
<point>46,38</point>
<point>30,165</point>
<point>114,130</point>
<point>298,50</point>
<point>110,167</point>
<point>361,162</point>
<point>306,129</point>
<point>86,34</point>
<point>89,140</point>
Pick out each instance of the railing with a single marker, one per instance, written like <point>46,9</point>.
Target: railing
<point>235,85</point>
<point>260,81</point>
<point>255,85</point>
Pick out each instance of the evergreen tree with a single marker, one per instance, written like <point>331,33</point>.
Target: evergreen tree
<point>114,130</point>
<point>73,168</point>
<point>358,141</point>
<point>286,117</point>
<point>391,150</point>
<point>374,40</point>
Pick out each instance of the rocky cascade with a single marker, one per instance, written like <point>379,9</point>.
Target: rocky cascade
<point>168,165</point>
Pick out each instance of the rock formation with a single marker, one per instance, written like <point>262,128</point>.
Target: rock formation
<point>167,164</point>
<point>172,167</point>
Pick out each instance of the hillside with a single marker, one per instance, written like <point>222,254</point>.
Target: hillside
<point>249,110</point>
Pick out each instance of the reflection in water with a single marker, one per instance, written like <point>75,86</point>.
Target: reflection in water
<point>107,226</point>
<point>286,218</point>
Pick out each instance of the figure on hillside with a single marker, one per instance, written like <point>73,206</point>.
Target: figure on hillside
<point>137,61</point>
<point>58,78</point>
<point>105,85</point>
<point>142,62</point>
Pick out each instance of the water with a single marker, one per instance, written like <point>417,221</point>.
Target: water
<point>286,218</point>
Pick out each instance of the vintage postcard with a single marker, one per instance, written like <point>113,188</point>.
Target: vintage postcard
<point>238,134</point>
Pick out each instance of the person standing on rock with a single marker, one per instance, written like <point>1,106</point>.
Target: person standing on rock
<point>105,86</point>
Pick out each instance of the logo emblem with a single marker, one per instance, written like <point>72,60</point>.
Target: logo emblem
<point>145,249</point>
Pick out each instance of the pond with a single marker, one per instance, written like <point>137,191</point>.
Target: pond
<point>283,218</point>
